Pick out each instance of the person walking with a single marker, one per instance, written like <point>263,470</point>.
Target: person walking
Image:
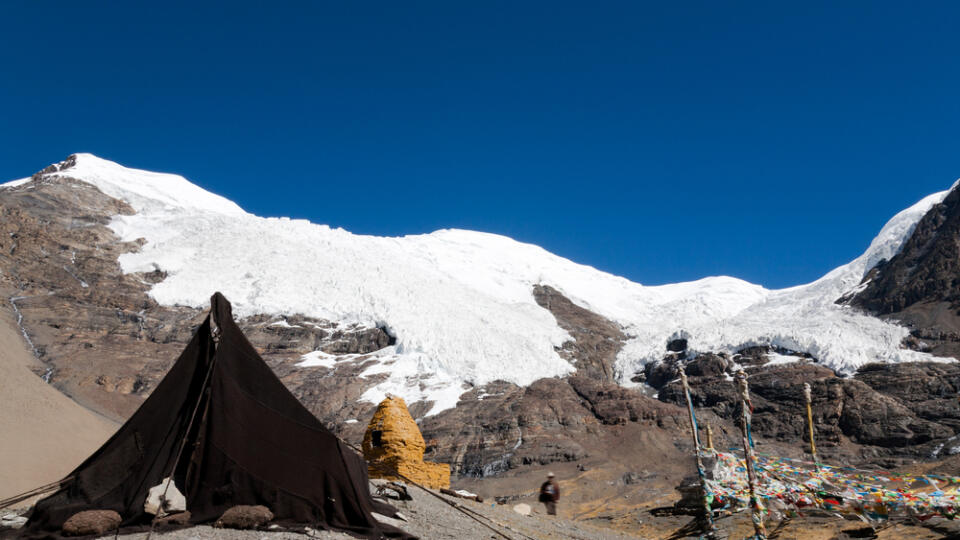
<point>550,494</point>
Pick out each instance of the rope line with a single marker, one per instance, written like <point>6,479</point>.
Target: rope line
<point>35,491</point>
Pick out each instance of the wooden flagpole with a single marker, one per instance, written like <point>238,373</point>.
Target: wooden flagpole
<point>756,508</point>
<point>704,493</point>
<point>813,444</point>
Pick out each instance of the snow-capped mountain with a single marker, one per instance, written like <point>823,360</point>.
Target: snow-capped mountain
<point>460,303</point>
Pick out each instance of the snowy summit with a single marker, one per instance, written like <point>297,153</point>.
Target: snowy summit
<point>460,303</point>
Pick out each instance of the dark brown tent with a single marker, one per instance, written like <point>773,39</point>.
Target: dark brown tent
<point>234,435</point>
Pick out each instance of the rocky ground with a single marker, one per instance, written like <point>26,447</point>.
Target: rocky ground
<point>803,528</point>
<point>430,518</point>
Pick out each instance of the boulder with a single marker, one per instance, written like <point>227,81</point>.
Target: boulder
<point>522,509</point>
<point>707,365</point>
<point>244,517</point>
<point>91,522</point>
<point>658,374</point>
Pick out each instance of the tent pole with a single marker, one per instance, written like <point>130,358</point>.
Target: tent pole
<point>215,337</point>
<point>35,491</point>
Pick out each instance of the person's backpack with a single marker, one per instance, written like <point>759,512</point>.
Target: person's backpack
<point>546,492</point>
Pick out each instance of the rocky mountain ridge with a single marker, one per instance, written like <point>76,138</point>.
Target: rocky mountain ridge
<point>106,342</point>
<point>919,287</point>
<point>433,291</point>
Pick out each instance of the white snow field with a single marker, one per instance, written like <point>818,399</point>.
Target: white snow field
<point>460,303</point>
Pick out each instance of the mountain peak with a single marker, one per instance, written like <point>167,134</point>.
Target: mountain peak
<point>924,270</point>
<point>142,189</point>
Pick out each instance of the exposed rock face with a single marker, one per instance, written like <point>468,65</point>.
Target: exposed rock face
<point>596,340</point>
<point>886,414</point>
<point>929,391</point>
<point>502,426</point>
<point>104,341</point>
<point>920,286</point>
<point>393,444</point>
<point>926,269</point>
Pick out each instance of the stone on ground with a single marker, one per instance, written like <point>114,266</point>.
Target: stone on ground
<point>245,517</point>
<point>522,509</point>
<point>91,522</point>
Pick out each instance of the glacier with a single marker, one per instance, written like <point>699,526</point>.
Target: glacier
<point>460,303</point>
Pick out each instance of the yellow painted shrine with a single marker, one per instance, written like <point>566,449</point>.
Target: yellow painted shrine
<point>393,443</point>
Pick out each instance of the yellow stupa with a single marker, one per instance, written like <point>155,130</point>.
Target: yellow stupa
<point>393,444</point>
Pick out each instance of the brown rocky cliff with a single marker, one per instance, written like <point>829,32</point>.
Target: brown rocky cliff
<point>886,415</point>
<point>919,287</point>
<point>596,340</point>
<point>927,268</point>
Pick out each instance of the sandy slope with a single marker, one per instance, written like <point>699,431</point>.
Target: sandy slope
<point>43,433</point>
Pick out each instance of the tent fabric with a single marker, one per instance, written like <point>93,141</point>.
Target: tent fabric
<point>250,442</point>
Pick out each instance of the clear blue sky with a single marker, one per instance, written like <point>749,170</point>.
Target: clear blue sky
<point>659,141</point>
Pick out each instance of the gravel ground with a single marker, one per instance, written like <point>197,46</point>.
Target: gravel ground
<point>430,519</point>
